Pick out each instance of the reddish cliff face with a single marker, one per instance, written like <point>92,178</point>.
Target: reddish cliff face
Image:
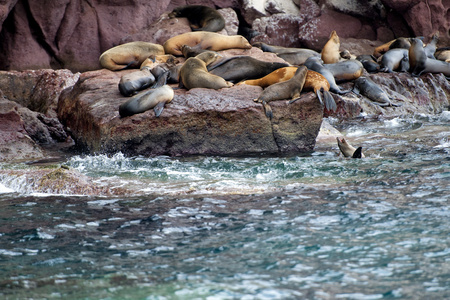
<point>72,34</point>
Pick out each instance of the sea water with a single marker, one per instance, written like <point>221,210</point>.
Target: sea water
<point>314,226</point>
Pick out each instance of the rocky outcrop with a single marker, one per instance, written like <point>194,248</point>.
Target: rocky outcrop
<point>72,34</point>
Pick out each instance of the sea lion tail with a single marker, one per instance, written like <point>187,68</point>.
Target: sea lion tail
<point>330,104</point>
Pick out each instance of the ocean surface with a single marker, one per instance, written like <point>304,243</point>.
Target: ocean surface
<point>314,226</point>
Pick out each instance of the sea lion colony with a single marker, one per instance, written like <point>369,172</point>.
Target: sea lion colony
<point>162,64</point>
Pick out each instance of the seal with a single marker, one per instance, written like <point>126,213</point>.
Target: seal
<point>194,73</point>
<point>443,54</point>
<point>330,52</point>
<point>205,40</point>
<point>395,60</point>
<point>316,64</point>
<point>401,42</point>
<point>131,83</point>
<point>366,87</point>
<point>369,62</point>
<point>129,55</point>
<point>145,100</point>
<point>240,68</point>
<point>348,150</point>
<point>289,89</point>
<point>345,70</point>
<point>201,18</point>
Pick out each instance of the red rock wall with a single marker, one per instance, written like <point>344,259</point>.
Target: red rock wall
<point>72,34</point>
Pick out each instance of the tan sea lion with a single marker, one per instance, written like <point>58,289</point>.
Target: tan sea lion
<point>145,100</point>
<point>401,42</point>
<point>443,54</point>
<point>330,52</point>
<point>129,55</point>
<point>289,89</point>
<point>345,70</point>
<point>201,18</point>
<point>205,40</point>
<point>348,150</point>
<point>131,83</point>
<point>316,64</point>
<point>194,74</point>
<point>154,60</point>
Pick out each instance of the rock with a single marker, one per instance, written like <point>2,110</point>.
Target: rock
<point>196,122</point>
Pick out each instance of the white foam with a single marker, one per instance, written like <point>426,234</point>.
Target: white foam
<point>5,190</point>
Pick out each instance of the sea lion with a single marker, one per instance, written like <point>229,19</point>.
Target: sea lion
<point>345,70</point>
<point>194,73</point>
<point>145,100</point>
<point>129,55</point>
<point>189,51</point>
<point>330,52</point>
<point>289,89</point>
<point>430,48</point>
<point>316,64</point>
<point>345,54</point>
<point>395,60</point>
<point>420,63</point>
<point>298,57</point>
<point>201,18</point>
<point>366,87</point>
<point>205,40</point>
<point>279,49</point>
<point>369,62</point>
<point>240,68</point>
<point>314,81</point>
<point>401,42</point>
<point>154,60</point>
<point>131,83</point>
<point>348,150</point>
<point>443,54</point>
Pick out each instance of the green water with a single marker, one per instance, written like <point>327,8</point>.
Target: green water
<point>300,227</point>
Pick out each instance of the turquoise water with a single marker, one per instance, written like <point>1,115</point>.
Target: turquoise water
<point>316,226</point>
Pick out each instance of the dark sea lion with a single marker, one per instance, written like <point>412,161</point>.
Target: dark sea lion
<point>279,49</point>
<point>189,51</point>
<point>369,62</point>
<point>394,60</point>
<point>420,63</point>
<point>345,70</point>
<point>316,64</point>
<point>289,89</point>
<point>298,57</point>
<point>194,73</point>
<point>205,40</point>
<point>401,43</point>
<point>330,52</point>
<point>348,150</point>
<point>129,55</point>
<point>201,18</point>
<point>145,100</point>
<point>366,87</point>
<point>131,83</point>
<point>240,68</point>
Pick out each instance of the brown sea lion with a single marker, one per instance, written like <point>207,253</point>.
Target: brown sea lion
<point>189,51</point>
<point>316,64</point>
<point>145,100</point>
<point>348,150</point>
<point>240,68</point>
<point>201,18</point>
<point>205,40</point>
<point>443,54</point>
<point>129,55</point>
<point>289,89</point>
<point>330,52</point>
<point>345,70</point>
<point>194,74</point>
<point>154,60</point>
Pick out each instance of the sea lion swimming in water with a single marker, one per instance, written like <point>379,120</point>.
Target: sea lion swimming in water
<point>201,18</point>
<point>348,150</point>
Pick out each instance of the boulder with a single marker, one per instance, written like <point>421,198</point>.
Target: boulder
<point>196,122</point>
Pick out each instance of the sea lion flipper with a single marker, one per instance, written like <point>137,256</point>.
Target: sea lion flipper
<point>330,104</point>
<point>357,153</point>
<point>268,110</point>
<point>158,108</point>
<point>162,80</point>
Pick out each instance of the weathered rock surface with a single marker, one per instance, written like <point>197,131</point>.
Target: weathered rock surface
<point>196,122</point>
